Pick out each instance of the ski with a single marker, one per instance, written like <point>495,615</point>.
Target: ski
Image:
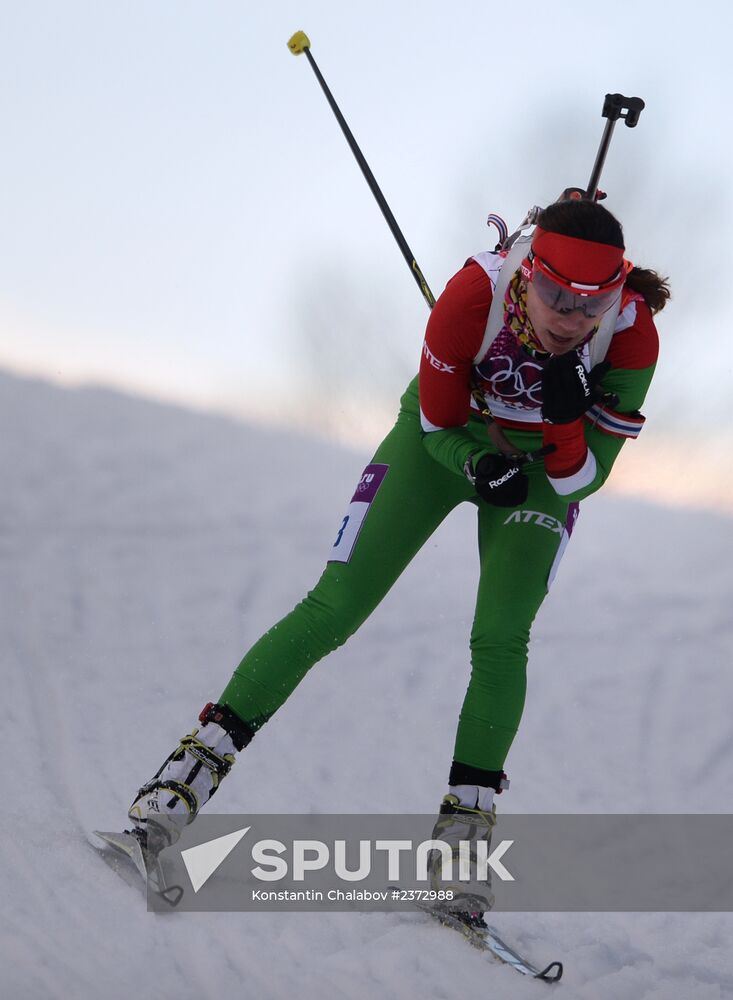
<point>486,938</point>
<point>126,856</point>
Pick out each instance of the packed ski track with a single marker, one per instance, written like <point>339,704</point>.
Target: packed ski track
<point>144,547</point>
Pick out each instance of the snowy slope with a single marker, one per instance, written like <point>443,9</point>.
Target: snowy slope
<point>143,548</point>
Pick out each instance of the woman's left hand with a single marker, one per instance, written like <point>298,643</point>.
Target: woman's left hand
<point>569,389</point>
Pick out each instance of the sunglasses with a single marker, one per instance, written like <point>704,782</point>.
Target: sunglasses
<point>564,296</point>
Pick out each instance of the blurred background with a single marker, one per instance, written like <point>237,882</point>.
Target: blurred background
<point>181,218</point>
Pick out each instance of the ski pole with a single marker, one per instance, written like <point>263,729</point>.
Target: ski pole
<point>614,107</point>
<point>300,43</point>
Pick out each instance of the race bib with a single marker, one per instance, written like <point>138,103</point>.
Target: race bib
<point>371,479</point>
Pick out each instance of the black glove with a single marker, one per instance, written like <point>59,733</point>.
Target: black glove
<point>568,390</point>
<point>498,480</point>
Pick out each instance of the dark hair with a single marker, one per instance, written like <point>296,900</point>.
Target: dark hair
<point>652,286</point>
<point>589,220</point>
<point>586,220</point>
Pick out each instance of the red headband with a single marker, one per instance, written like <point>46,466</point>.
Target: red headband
<point>576,260</point>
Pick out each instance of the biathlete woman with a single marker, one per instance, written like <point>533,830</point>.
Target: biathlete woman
<point>556,338</point>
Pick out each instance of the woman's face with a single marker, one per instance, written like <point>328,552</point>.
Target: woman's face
<point>557,332</point>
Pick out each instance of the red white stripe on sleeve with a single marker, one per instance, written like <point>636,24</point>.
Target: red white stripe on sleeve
<point>622,425</point>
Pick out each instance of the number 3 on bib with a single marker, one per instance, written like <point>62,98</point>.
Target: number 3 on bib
<point>341,532</point>
<point>371,479</point>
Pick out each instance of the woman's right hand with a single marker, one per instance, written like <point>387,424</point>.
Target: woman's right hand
<point>499,480</point>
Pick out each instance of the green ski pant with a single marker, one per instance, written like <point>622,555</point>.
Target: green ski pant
<point>518,548</point>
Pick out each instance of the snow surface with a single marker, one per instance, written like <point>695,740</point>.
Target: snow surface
<point>144,547</point>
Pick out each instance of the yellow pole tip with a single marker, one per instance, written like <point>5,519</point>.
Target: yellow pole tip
<point>298,43</point>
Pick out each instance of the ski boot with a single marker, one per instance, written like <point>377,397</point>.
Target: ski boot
<point>187,779</point>
<point>467,814</point>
